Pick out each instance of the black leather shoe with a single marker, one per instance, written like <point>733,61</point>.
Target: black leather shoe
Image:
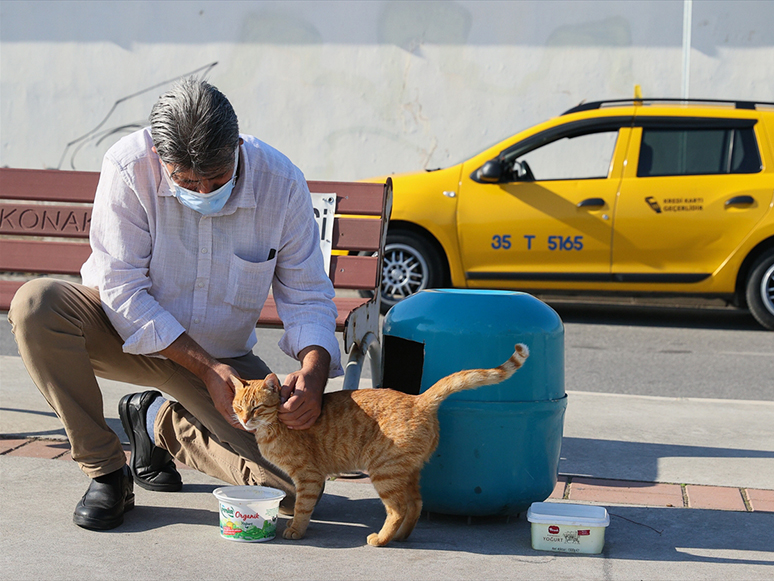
<point>152,467</point>
<point>105,502</point>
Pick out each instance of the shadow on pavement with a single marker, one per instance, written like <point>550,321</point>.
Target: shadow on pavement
<point>580,455</point>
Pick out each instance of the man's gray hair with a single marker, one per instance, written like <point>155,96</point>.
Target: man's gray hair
<point>194,128</point>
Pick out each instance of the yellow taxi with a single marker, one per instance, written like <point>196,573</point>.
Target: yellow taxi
<point>634,196</point>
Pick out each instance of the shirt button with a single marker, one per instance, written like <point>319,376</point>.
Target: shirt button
<point>196,321</point>
<point>200,284</point>
<point>204,251</point>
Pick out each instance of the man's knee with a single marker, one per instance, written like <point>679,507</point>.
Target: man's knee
<point>34,301</point>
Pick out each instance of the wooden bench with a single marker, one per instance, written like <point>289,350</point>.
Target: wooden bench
<point>44,228</point>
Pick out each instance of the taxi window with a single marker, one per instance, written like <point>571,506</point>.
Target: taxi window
<point>585,156</point>
<point>700,151</point>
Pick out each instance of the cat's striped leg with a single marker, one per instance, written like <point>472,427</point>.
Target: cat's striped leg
<point>391,492</point>
<point>308,490</point>
<point>413,509</point>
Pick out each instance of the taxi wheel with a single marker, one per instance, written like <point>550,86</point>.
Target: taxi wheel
<point>760,290</point>
<point>411,264</point>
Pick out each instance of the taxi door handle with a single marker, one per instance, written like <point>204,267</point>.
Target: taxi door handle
<point>740,201</point>
<point>591,203</point>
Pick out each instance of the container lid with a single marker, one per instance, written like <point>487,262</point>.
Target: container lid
<point>247,493</point>
<point>548,513</point>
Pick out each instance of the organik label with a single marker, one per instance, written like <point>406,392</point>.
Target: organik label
<point>239,526</point>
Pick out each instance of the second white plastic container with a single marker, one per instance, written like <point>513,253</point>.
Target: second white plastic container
<point>568,528</point>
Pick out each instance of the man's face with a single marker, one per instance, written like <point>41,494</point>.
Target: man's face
<point>203,184</point>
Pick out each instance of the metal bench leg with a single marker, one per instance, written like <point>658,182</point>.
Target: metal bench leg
<point>354,366</point>
<point>375,355</point>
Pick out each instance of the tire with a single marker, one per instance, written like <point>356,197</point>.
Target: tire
<point>411,264</point>
<point>760,290</point>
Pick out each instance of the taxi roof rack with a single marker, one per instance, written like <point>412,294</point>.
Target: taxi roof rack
<point>639,101</point>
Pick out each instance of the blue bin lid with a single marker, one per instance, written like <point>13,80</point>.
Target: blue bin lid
<point>467,329</point>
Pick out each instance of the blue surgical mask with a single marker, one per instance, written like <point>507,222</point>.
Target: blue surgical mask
<point>211,203</point>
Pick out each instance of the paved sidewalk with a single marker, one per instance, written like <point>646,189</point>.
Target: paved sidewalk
<point>688,484</point>
<point>569,488</point>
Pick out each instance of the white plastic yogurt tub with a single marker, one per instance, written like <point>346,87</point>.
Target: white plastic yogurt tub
<point>568,528</point>
<point>248,513</point>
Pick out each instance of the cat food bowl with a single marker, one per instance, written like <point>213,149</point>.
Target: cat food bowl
<point>568,528</point>
<point>248,513</point>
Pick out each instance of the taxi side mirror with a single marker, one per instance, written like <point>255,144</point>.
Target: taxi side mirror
<point>490,173</point>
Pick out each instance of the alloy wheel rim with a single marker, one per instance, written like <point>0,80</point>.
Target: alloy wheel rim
<point>404,273</point>
<point>767,289</point>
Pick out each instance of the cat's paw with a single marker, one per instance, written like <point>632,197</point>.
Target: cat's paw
<point>373,540</point>
<point>292,534</point>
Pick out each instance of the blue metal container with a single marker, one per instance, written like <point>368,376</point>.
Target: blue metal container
<point>499,445</point>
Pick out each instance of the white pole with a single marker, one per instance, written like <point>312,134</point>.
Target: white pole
<point>687,10</point>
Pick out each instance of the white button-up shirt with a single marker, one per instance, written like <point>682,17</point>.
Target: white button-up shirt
<point>163,269</point>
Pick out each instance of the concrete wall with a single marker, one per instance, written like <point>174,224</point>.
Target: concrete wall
<point>355,89</point>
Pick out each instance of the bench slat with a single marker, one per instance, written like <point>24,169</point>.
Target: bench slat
<point>270,318</point>
<point>354,272</point>
<point>357,198</point>
<point>356,234</point>
<point>8,288</point>
<point>42,256</point>
<point>80,186</point>
<point>48,185</point>
<point>45,220</point>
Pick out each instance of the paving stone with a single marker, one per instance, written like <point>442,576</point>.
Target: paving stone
<point>715,498</point>
<point>558,492</point>
<point>41,449</point>
<point>66,457</point>
<point>624,492</point>
<point>10,444</point>
<point>761,500</point>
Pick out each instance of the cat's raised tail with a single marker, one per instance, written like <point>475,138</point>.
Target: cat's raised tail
<point>473,378</point>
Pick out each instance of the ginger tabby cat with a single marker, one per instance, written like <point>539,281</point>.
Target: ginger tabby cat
<point>387,433</point>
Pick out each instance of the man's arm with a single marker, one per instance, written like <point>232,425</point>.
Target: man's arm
<point>302,391</point>
<point>122,245</point>
<point>220,379</point>
<point>302,290</point>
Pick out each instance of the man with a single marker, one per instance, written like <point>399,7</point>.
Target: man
<point>192,223</point>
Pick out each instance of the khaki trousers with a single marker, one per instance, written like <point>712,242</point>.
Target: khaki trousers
<point>66,341</point>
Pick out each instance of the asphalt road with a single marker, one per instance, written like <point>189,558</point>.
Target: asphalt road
<point>708,352</point>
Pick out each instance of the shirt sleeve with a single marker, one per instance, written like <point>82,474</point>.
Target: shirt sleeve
<point>119,264</point>
<point>302,290</point>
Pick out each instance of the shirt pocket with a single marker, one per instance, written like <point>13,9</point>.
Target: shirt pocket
<point>249,283</point>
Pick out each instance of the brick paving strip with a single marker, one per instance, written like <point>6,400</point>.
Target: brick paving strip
<point>574,488</point>
<point>657,494</point>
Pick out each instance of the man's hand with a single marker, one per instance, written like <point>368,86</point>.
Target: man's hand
<point>302,390</point>
<point>220,379</point>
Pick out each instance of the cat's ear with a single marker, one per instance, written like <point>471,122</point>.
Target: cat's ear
<point>272,381</point>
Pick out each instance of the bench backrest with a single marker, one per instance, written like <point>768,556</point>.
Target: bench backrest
<point>45,217</point>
